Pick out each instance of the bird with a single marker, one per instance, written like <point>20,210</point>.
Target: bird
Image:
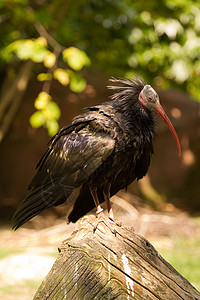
<point>102,151</point>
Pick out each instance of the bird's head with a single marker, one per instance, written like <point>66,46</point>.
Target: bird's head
<point>148,98</point>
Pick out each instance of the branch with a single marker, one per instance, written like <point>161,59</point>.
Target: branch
<point>42,32</point>
<point>10,91</point>
<point>13,97</point>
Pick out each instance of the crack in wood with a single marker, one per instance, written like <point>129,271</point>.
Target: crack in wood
<point>158,269</point>
<point>116,267</point>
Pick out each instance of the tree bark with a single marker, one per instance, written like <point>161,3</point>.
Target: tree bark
<point>101,265</point>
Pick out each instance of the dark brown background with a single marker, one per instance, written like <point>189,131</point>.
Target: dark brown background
<point>176,178</point>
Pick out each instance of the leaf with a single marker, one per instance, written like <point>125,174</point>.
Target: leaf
<point>42,100</point>
<point>52,111</point>
<point>49,60</point>
<point>40,51</point>
<point>37,119</point>
<point>52,127</point>
<point>77,82</point>
<point>41,41</point>
<point>38,54</point>
<point>44,76</point>
<point>29,49</point>
<point>76,58</point>
<point>62,76</point>
<point>24,49</point>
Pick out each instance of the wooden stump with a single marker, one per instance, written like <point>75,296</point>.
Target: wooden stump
<point>101,265</point>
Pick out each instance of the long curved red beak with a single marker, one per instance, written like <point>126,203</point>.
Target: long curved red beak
<point>161,113</point>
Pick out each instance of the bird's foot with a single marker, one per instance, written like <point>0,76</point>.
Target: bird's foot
<point>107,221</point>
<point>112,218</point>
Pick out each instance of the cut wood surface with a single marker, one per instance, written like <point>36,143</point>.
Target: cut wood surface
<point>101,265</point>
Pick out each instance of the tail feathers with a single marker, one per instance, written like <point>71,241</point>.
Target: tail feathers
<point>32,205</point>
<point>37,201</point>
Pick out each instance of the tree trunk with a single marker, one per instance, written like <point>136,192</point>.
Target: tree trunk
<point>101,265</point>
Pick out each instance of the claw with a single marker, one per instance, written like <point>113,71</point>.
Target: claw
<point>107,221</point>
<point>110,220</point>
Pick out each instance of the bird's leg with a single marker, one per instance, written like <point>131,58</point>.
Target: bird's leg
<point>106,193</point>
<point>96,200</point>
<point>100,216</point>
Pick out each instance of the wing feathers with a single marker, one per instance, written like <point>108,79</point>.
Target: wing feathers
<point>68,163</point>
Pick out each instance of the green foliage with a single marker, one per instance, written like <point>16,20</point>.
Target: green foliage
<point>76,58</point>
<point>62,76</point>
<point>34,49</point>
<point>37,119</point>
<point>44,76</point>
<point>77,82</point>
<point>159,40</point>
<point>47,113</point>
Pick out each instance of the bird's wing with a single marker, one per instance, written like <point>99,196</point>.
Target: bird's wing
<point>143,163</point>
<point>75,153</point>
<point>74,157</point>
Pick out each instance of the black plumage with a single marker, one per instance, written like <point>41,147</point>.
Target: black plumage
<point>100,152</point>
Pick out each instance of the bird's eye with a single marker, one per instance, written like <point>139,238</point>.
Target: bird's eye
<point>150,99</point>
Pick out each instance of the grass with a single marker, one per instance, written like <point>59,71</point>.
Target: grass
<point>22,291</point>
<point>25,289</point>
<point>184,256</point>
<point>5,252</point>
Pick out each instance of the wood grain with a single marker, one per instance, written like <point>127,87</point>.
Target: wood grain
<point>101,265</point>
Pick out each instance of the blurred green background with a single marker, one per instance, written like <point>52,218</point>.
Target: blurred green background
<point>56,58</point>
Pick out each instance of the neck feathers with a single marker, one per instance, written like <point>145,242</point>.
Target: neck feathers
<point>126,102</point>
<point>126,96</point>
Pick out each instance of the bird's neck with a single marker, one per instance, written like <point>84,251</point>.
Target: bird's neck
<point>138,120</point>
